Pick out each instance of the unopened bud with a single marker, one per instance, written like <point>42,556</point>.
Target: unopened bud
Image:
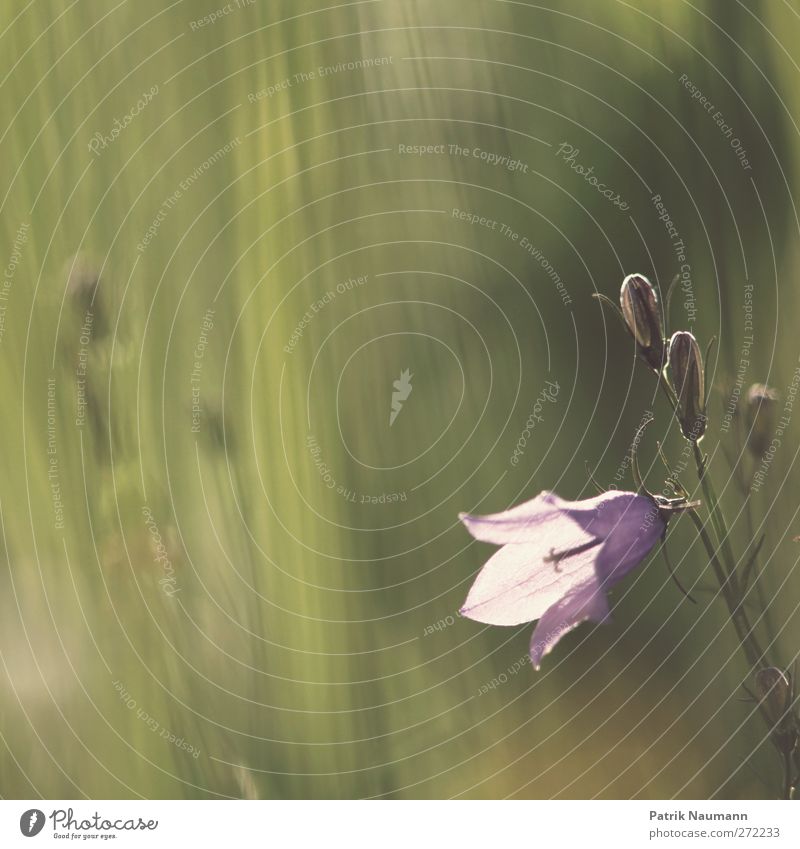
<point>642,314</point>
<point>775,694</point>
<point>761,404</point>
<point>688,379</point>
<point>772,687</point>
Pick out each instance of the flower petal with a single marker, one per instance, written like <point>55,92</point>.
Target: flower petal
<point>610,512</point>
<point>585,601</point>
<point>520,582</point>
<point>597,517</point>
<point>524,523</point>
<point>635,534</point>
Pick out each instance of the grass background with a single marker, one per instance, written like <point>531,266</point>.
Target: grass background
<point>303,647</point>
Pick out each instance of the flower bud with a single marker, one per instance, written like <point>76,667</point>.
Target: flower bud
<point>772,688</point>
<point>761,405</point>
<point>688,379</point>
<point>642,314</point>
<point>775,694</point>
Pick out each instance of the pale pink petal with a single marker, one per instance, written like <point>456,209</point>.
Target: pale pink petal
<point>523,523</point>
<point>609,513</point>
<point>558,559</point>
<point>634,536</point>
<point>584,601</point>
<point>518,583</point>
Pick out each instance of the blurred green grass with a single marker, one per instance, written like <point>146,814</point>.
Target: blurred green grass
<point>294,654</point>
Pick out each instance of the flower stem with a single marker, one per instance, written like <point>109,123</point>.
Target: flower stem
<point>744,630</point>
<point>733,589</point>
<point>717,518</point>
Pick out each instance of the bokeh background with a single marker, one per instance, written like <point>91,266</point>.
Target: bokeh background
<point>224,573</point>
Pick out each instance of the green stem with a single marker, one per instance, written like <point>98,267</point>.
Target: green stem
<point>717,518</point>
<point>744,630</point>
<point>727,578</point>
<point>758,584</point>
<point>730,585</point>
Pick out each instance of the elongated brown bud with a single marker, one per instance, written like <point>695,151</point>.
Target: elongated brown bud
<point>772,687</point>
<point>774,691</point>
<point>642,314</point>
<point>688,379</point>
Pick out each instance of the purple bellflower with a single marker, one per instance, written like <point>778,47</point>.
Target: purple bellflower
<point>558,560</point>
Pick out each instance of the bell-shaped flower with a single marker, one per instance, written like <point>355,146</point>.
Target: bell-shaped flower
<point>558,560</point>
